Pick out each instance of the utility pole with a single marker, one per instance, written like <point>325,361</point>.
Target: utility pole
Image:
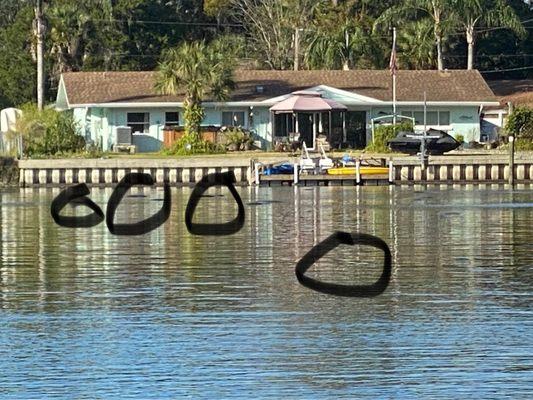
<point>39,33</point>
<point>393,68</point>
<point>511,149</point>
<point>296,49</point>
<point>423,138</point>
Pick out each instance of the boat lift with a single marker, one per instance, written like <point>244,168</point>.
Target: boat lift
<point>372,121</point>
<point>423,138</point>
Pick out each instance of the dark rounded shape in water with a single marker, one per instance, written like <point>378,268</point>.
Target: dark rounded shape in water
<point>337,238</point>
<point>77,195</point>
<point>141,227</point>
<point>225,179</point>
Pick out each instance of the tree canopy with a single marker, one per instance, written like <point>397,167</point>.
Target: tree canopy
<point>91,35</point>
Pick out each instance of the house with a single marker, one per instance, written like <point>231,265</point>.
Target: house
<point>103,101</point>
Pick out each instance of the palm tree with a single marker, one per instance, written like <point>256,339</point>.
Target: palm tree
<point>437,10</point>
<point>196,70</point>
<point>331,47</point>
<point>416,46</point>
<point>340,37</point>
<point>491,13</point>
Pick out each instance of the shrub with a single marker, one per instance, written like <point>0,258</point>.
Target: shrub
<point>520,123</point>
<point>48,132</point>
<point>460,138</point>
<point>524,144</point>
<point>384,133</point>
<point>236,138</point>
<point>190,144</point>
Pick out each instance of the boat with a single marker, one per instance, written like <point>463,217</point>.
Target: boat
<point>280,169</point>
<point>363,170</point>
<point>434,146</point>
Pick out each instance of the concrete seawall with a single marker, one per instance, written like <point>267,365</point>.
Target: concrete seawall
<point>107,172</point>
<point>449,169</point>
<point>462,169</point>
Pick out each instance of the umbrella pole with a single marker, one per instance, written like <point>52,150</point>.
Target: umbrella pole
<point>330,127</point>
<point>344,126</point>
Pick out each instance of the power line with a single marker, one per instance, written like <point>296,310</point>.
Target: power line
<point>492,55</point>
<point>148,22</point>
<point>507,69</point>
<point>493,28</point>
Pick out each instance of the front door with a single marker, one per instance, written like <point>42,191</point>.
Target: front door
<point>356,129</point>
<point>305,128</point>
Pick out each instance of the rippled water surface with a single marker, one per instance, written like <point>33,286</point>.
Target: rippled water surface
<point>85,314</point>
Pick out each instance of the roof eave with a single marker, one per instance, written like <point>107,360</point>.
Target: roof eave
<point>267,103</point>
<point>445,103</point>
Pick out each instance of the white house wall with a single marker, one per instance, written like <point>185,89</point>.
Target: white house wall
<point>261,126</point>
<point>98,124</point>
<point>464,120</point>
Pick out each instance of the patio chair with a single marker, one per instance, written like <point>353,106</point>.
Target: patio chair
<point>325,162</point>
<point>322,141</point>
<point>295,141</point>
<point>306,163</point>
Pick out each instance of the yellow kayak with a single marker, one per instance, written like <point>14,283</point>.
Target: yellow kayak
<point>363,171</point>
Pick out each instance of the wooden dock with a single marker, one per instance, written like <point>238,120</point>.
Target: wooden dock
<point>323,180</point>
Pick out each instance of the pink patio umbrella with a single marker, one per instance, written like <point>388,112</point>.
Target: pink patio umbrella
<point>307,101</point>
<point>310,102</point>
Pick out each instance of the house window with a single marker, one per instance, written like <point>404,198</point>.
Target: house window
<point>233,118</point>
<point>283,124</point>
<point>444,118</point>
<point>139,122</point>
<point>433,118</point>
<point>172,119</point>
<point>419,117</point>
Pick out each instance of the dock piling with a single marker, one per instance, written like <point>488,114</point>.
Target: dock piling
<point>256,172</point>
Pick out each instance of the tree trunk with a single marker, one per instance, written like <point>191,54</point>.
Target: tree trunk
<point>296,49</point>
<point>39,32</point>
<point>438,34</point>
<point>440,62</point>
<point>193,115</point>
<point>345,65</point>
<point>470,39</point>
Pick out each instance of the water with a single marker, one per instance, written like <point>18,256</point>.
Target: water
<point>85,314</point>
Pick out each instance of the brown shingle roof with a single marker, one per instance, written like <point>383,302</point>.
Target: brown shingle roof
<point>519,92</point>
<point>453,85</point>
